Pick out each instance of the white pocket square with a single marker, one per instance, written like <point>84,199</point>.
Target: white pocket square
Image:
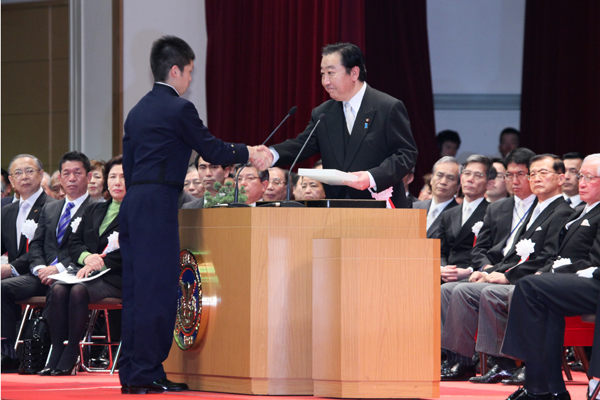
<point>539,228</point>
<point>585,223</point>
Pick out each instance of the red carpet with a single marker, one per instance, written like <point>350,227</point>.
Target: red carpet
<point>105,387</point>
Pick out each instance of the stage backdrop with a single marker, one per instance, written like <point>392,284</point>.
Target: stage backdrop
<point>560,103</point>
<point>263,57</point>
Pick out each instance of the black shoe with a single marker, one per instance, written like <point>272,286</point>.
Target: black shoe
<point>525,395</point>
<point>159,386</point>
<point>446,365</point>
<point>64,372</point>
<point>518,378</point>
<point>9,363</point>
<point>46,372</point>
<point>494,375</point>
<point>576,366</point>
<point>459,372</point>
<point>516,394</point>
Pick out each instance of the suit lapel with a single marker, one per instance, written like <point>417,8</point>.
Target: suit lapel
<point>456,221</point>
<point>570,232</point>
<point>78,214</point>
<point>335,130</point>
<point>34,214</point>
<point>361,126</point>
<point>506,214</point>
<point>477,215</point>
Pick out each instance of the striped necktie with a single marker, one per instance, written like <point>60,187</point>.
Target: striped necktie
<point>65,218</point>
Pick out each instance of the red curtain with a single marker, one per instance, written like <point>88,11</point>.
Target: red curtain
<point>263,58</point>
<point>560,103</point>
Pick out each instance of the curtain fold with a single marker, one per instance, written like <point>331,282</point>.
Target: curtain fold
<point>560,102</point>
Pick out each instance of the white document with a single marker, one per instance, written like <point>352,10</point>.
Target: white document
<point>328,176</point>
<point>70,278</point>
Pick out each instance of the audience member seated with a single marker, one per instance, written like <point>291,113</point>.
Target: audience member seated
<point>497,191</point>
<point>93,247</point>
<point>407,180</point>
<point>458,225</point>
<point>318,165</point>
<point>254,182</point>
<point>444,185</point>
<point>570,188</point>
<point>192,184</point>
<point>510,139</point>
<point>57,190</point>
<point>7,198</point>
<point>208,175</point>
<point>96,185</point>
<point>425,193</point>
<point>448,143</point>
<point>463,315</point>
<point>297,187</point>
<point>46,184</point>
<point>535,329</point>
<point>311,189</point>
<point>277,189</point>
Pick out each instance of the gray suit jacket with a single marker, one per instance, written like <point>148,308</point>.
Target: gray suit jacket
<point>432,232</point>
<point>198,203</point>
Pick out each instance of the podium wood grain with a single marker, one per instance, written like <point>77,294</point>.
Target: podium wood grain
<point>258,284</point>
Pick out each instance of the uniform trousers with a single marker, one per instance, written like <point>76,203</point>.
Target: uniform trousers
<point>149,241</point>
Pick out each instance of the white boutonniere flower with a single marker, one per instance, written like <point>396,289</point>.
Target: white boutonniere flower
<point>113,243</point>
<point>29,228</point>
<point>560,262</point>
<point>477,227</point>
<point>75,224</point>
<point>524,249</point>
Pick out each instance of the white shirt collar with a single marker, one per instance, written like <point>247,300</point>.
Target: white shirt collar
<point>475,203</point>
<point>542,206</point>
<point>589,207</point>
<point>440,206</point>
<point>575,200</point>
<point>32,199</point>
<point>356,101</point>
<point>166,84</point>
<point>78,201</point>
<point>528,201</point>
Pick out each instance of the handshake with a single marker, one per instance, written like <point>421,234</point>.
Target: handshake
<point>260,157</point>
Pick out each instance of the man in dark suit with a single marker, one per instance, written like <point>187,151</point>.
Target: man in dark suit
<point>444,186</point>
<point>26,173</point>
<point>49,250</point>
<point>365,132</point>
<point>570,189</point>
<point>535,330</point>
<point>6,189</point>
<point>160,132</point>
<point>546,174</point>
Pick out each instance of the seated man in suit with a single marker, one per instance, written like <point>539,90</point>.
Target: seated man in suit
<point>546,175</point>
<point>570,188</point>
<point>26,173</point>
<point>192,184</point>
<point>456,231</point>
<point>208,174</point>
<point>254,182</point>
<point>277,188</point>
<point>498,189</point>
<point>535,330</point>
<point>444,186</point>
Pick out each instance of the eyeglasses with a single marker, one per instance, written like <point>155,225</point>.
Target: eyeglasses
<point>588,178</point>
<point>441,175</point>
<point>476,175</point>
<point>277,182</point>
<point>542,173</point>
<point>510,176</point>
<point>249,178</point>
<point>18,174</point>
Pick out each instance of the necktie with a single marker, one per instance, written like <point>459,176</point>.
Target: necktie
<point>21,217</point>
<point>349,117</point>
<point>432,216</point>
<point>466,214</point>
<point>568,200</point>
<point>520,211</point>
<point>65,218</point>
<point>536,212</point>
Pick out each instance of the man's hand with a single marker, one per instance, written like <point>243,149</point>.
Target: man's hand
<point>6,271</point>
<point>450,273</point>
<point>260,157</point>
<point>497,277</point>
<point>44,273</point>
<point>363,182</point>
<point>478,277</point>
<point>95,261</point>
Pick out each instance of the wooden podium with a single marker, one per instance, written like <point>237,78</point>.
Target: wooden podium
<point>258,289</point>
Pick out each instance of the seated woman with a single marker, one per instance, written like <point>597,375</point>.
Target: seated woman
<point>311,189</point>
<point>96,186</point>
<point>93,247</point>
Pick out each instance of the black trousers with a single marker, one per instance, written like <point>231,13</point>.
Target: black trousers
<point>536,325</point>
<point>149,242</point>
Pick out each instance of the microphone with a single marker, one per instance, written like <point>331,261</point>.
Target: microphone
<point>237,175</point>
<point>289,203</point>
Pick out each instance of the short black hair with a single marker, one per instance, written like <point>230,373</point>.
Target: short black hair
<point>510,131</point>
<point>5,176</point>
<point>75,156</point>
<point>557,165</point>
<point>318,163</point>
<point>574,155</point>
<point>166,52</point>
<point>499,161</point>
<point>490,171</point>
<point>197,161</point>
<point>351,56</point>
<point>116,160</point>
<point>448,136</point>
<point>521,155</point>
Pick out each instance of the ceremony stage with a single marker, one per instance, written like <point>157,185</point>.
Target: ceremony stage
<point>98,386</point>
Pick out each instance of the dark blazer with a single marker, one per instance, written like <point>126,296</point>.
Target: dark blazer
<point>19,259</point>
<point>7,200</point>
<point>494,233</point>
<point>88,238</point>
<point>381,143</point>
<point>579,243</point>
<point>44,247</point>
<point>544,233</point>
<point>184,198</point>
<point>198,203</point>
<point>432,232</point>
<point>160,133</point>
<point>456,240</point>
